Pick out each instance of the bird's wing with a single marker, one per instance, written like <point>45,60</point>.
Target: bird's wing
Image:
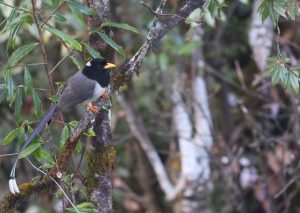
<point>79,88</point>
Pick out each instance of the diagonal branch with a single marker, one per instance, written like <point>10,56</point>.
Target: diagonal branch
<point>139,131</point>
<point>42,45</point>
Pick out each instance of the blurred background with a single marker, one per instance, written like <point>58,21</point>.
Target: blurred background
<point>200,129</point>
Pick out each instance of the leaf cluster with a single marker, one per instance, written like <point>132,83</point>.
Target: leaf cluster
<point>281,72</point>
<point>273,9</point>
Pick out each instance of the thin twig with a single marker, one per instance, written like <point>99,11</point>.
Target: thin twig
<point>71,50</point>
<point>10,154</point>
<point>42,45</point>
<point>54,11</point>
<point>278,194</point>
<point>22,65</point>
<point>61,189</point>
<point>159,13</point>
<point>139,131</point>
<point>11,6</point>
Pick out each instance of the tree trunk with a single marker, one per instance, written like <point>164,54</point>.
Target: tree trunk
<point>101,155</point>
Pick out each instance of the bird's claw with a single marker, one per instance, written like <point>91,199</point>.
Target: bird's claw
<point>93,108</point>
<point>105,96</point>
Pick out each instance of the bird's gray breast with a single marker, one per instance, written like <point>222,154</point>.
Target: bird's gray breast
<point>79,89</point>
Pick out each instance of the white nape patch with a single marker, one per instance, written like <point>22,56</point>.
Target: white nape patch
<point>88,64</point>
<point>98,90</point>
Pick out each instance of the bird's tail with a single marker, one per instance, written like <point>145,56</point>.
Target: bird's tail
<point>12,182</point>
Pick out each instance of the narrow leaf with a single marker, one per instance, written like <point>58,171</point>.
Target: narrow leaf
<point>18,104</point>
<point>48,2</point>
<point>27,81</point>
<point>123,26</point>
<point>111,43</point>
<point>77,14</point>
<point>36,103</point>
<point>20,53</point>
<point>38,154</point>
<point>92,52</point>
<point>9,86</point>
<point>12,36</point>
<point>81,8</point>
<point>11,136</point>
<point>28,150</point>
<point>64,136</point>
<point>10,20</point>
<point>76,62</point>
<point>47,156</point>
<point>65,37</point>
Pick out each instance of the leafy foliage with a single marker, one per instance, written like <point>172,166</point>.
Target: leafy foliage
<point>281,72</point>
<point>273,9</point>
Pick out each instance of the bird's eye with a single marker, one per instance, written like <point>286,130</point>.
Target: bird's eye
<point>88,64</point>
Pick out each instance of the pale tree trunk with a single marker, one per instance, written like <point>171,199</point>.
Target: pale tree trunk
<point>261,36</point>
<point>194,138</point>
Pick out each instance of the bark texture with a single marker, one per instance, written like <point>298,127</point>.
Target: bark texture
<point>101,155</point>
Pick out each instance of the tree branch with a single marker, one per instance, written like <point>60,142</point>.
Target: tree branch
<point>140,133</point>
<point>42,45</point>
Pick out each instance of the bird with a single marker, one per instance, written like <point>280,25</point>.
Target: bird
<point>84,86</point>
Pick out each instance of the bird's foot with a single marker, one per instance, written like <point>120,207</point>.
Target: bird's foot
<point>92,108</point>
<point>105,96</point>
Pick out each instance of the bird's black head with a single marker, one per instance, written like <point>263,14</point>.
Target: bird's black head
<point>98,69</point>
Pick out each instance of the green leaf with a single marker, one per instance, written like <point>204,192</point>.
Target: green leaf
<point>81,8</point>
<point>11,136</point>
<point>13,35</point>
<point>38,154</point>
<point>10,20</point>
<point>65,37</point>
<point>92,52</point>
<point>36,103</point>
<point>111,43</point>
<point>10,86</point>
<point>272,9</point>
<point>47,156</point>
<point>29,149</point>
<point>26,18</point>
<point>20,53</point>
<point>79,147</point>
<point>292,9</point>
<point>73,124</point>
<point>60,18</point>
<point>64,136</point>
<point>48,2</point>
<point>18,104</point>
<point>27,82</point>
<point>82,210</point>
<point>76,62</point>
<point>123,26</point>
<point>85,205</point>
<point>90,133</point>
<point>54,98</point>
<point>293,80</point>
<point>77,14</point>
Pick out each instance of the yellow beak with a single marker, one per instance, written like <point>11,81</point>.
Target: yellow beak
<point>109,65</point>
